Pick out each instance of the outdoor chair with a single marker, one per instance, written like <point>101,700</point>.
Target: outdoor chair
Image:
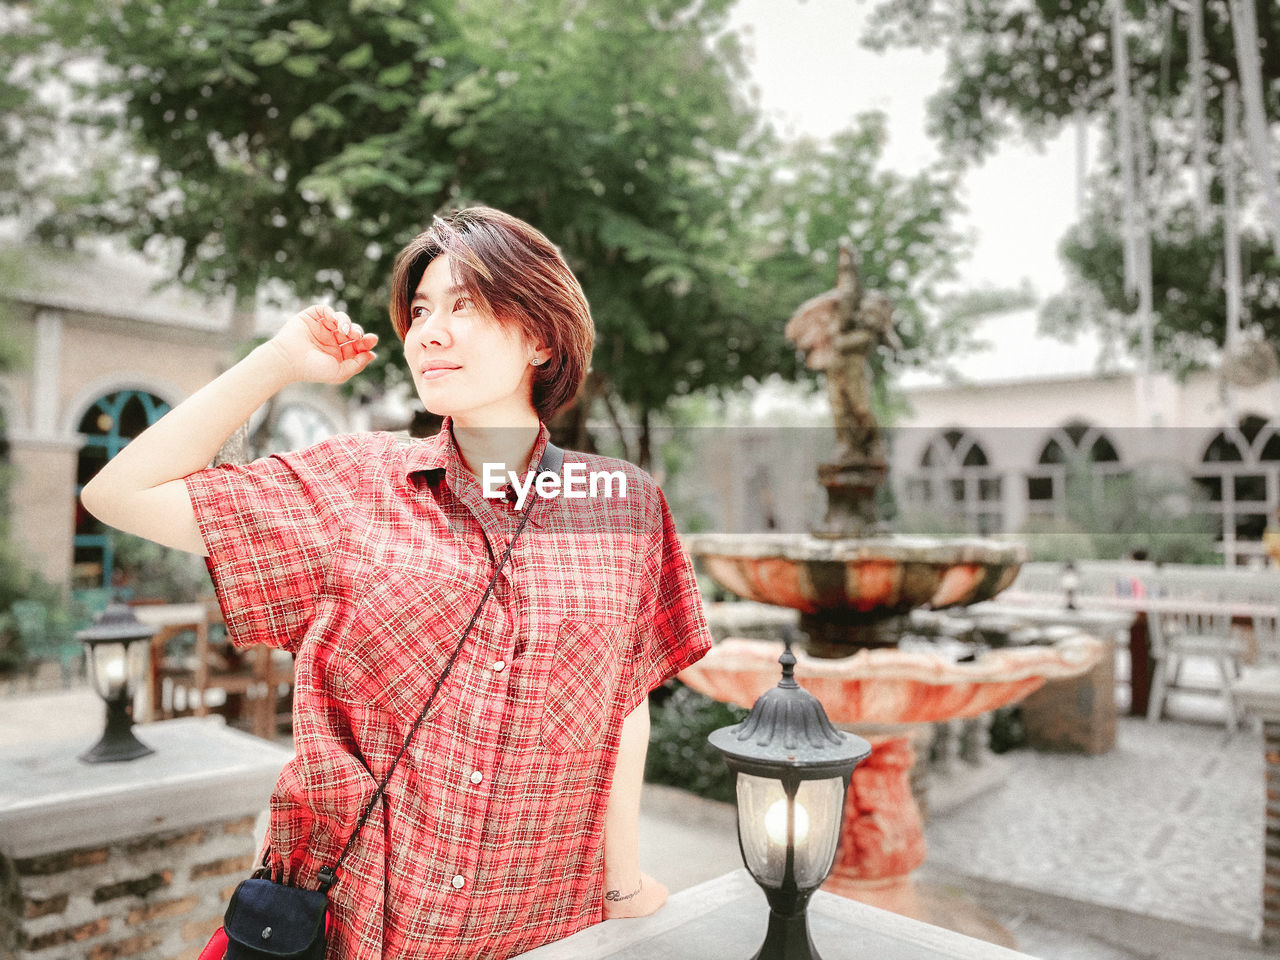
<point>1177,635</point>
<point>90,602</point>
<point>1266,640</point>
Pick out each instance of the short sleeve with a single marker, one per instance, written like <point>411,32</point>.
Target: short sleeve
<point>671,625</point>
<point>270,527</point>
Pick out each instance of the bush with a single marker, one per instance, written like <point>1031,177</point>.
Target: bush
<point>152,570</point>
<point>679,755</point>
<point>17,582</point>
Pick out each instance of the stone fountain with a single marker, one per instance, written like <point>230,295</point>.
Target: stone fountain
<point>853,584</point>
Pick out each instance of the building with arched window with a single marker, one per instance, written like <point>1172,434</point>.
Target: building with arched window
<point>1076,451</point>
<point>1010,439</point>
<point>105,352</point>
<point>1043,417</point>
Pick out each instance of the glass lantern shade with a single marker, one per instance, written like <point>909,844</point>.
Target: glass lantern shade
<point>809,822</point>
<point>114,666</point>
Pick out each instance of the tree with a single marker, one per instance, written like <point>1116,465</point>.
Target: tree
<point>1029,70</point>
<point>304,143</point>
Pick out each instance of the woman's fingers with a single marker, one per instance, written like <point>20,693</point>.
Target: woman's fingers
<point>323,325</point>
<point>359,343</point>
<point>334,335</point>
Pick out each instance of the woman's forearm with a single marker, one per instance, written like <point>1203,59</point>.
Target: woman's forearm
<point>188,437</point>
<point>622,815</point>
<point>628,892</point>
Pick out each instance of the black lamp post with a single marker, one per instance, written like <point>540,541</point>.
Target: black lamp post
<point>1070,581</point>
<point>113,654</point>
<point>792,770</point>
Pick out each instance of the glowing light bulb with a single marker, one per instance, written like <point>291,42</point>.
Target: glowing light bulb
<point>113,673</point>
<point>775,823</point>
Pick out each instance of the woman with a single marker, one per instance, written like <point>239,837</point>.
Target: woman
<point>511,820</point>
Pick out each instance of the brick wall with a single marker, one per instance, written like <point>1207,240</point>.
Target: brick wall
<point>153,897</point>
<point>1271,869</point>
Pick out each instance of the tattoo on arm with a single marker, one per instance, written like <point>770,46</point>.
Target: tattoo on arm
<point>615,896</point>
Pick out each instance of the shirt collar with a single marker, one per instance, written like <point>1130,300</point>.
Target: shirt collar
<point>438,451</point>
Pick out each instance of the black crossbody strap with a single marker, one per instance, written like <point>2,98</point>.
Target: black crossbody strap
<point>551,462</point>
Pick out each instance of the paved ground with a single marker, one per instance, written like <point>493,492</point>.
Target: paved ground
<point>1169,823</point>
<point>1150,852</point>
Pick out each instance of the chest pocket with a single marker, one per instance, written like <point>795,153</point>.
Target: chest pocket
<point>582,684</point>
<point>402,632</point>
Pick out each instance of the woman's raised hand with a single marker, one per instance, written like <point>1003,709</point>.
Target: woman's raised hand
<point>322,346</point>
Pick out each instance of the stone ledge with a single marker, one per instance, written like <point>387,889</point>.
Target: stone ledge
<point>50,801</point>
<point>725,919</point>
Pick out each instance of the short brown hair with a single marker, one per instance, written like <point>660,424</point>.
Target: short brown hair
<point>518,276</point>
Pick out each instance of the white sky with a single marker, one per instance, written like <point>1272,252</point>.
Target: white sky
<point>814,76</point>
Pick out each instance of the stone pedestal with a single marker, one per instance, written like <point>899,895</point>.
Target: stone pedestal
<point>1075,713</point>
<point>129,860</point>
<point>1258,693</point>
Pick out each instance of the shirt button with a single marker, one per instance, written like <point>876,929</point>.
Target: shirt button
<point>500,666</point>
<point>459,882</point>
<point>477,777</point>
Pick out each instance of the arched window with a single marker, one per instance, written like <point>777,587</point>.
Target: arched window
<point>956,479</point>
<point>1240,475</point>
<point>108,425</point>
<point>1075,448</point>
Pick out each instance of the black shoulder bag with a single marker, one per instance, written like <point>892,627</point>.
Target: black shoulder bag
<point>272,921</point>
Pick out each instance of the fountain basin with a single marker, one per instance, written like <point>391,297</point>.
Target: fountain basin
<point>858,580</point>
<point>893,686</point>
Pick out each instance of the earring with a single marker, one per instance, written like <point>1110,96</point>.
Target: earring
<point>536,360</point>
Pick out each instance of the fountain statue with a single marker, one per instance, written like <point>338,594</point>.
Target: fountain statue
<point>853,585</point>
<point>850,581</point>
<point>837,330</point>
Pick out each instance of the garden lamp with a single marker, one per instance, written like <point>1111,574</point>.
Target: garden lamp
<point>115,648</point>
<point>792,769</point>
<point>1069,580</point>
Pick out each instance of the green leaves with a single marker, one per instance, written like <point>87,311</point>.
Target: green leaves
<point>310,35</point>
<point>269,52</point>
<point>356,59</point>
<point>302,66</point>
<point>396,76</point>
<point>308,149</point>
<point>320,116</point>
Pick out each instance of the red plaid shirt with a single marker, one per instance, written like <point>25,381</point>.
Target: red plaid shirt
<point>365,556</point>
